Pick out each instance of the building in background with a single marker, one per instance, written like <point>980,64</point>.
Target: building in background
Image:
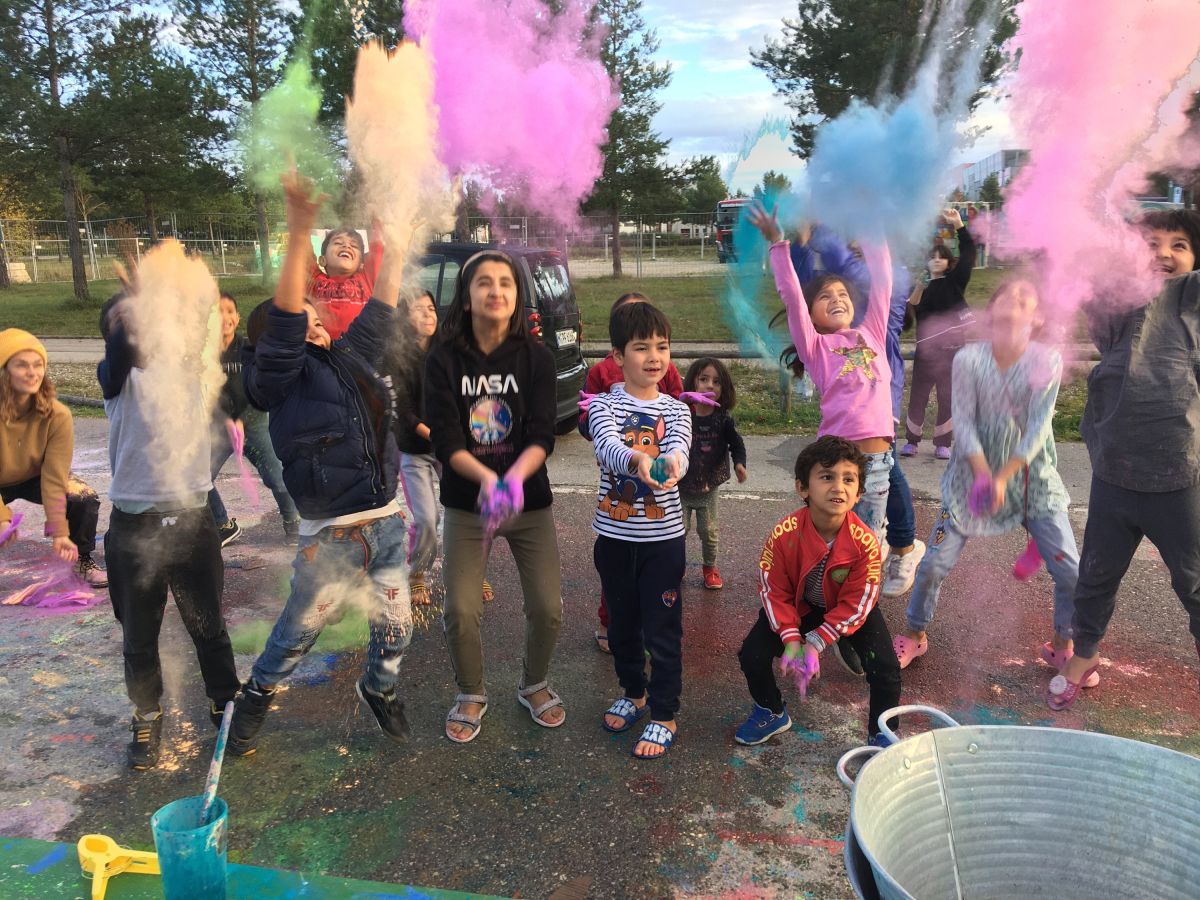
<point>1004,164</point>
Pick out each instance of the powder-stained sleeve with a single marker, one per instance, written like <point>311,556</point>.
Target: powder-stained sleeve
<point>1039,421</point>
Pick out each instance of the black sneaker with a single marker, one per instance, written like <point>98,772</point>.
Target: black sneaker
<point>229,532</point>
<point>147,736</point>
<point>291,532</point>
<point>388,711</point>
<point>216,712</point>
<point>848,657</point>
<point>249,711</point>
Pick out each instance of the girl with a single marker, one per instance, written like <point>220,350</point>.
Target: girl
<point>848,365</point>
<point>714,439</point>
<point>1002,472</point>
<point>37,439</point>
<point>489,404</point>
<point>418,468</point>
<point>942,322</point>
<point>233,407</point>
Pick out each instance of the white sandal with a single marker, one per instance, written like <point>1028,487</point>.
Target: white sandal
<point>523,695</point>
<point>473,722</point>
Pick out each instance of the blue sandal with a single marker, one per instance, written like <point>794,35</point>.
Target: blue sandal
<point>625,710</point>
<point>659,735</point>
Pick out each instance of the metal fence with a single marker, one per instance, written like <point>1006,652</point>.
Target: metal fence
<point>650,246</point>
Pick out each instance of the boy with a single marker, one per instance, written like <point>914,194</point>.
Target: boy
<point>331,425</point>
<point>1141,425</point>
<point>160,534</point>
<point>639,549</point>
<point>343,279</point>
<point>820,574</point>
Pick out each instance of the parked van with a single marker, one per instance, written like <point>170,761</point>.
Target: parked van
<point>551,309</point>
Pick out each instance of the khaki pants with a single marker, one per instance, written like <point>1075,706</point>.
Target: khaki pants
<point>534,544</point>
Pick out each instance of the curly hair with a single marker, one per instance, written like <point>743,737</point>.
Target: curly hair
<point>828,451</point>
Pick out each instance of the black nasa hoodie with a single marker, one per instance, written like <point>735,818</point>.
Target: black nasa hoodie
<point>493,407</point>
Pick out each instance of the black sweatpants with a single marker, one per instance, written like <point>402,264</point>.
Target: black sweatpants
<point>641,581</point>
<point>1117,521</point>
<point>872,642</point>
<point>146,554</point>
<point>83,508</point>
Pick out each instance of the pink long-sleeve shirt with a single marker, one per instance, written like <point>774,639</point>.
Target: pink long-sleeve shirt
<point>849,367</point>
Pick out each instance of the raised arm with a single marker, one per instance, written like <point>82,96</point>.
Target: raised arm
<point>879,301</point>
<point>804,335</point>
<point>302,209</point>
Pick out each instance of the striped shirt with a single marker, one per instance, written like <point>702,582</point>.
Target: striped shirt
<point>814,584</point>
<point>626,508</point>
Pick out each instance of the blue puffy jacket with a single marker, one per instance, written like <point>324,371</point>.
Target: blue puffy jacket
<point>331,412</point>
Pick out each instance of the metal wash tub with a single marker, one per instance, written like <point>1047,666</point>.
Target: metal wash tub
<point>984,812</point>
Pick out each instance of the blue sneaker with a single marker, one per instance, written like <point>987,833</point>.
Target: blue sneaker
<point>761,725</point>
<point>880,740</point>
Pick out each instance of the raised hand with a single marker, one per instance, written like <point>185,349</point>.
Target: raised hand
<point>765,222</point>
<point>952,217</point>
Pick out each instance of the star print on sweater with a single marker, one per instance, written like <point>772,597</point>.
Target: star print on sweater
<point>860,356</point>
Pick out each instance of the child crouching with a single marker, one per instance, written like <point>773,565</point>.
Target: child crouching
<point>820,576</point>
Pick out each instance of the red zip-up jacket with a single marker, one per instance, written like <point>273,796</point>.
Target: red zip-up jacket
<point>851,583</point>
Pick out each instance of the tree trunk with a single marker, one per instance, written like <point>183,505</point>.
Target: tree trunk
<point>264,237</point>
<point>66,180</point>
<point>151,218</point>
<point>4,282</point>
<point>616,243</point>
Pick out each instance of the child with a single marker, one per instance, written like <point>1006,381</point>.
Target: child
<point>331,424</point>
<point>903,551</point>
<point>714,439</point>
<point>418,467</point>
<point>1140,425</point>
<point>37,440</point>
<point>160,533</point>
<point>489,403</point>
<point>1003,469</point>
<point>848,365</point>
<point>233,409</point>
<point>639,550</point>
<point>820,572</point>
<point>343,279</point>
<point>942,322</point>
<point>600,380</point>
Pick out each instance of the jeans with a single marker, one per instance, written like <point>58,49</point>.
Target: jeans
<point>418,475</point>
<point>901,520</point>
<point>260,454</point>
<point>1118,519</point>
<point>147,554</point>
<point>872,641</point>
<point>339,565</point>
<point>83,508</point>
<point>534,544</point>
<point>872,506</point>
<point>1055,542</point>
<point>705,506</point>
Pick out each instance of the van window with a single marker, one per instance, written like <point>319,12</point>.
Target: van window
<point>449,280</point>
<point>553,287</point>
<point>429,277</point>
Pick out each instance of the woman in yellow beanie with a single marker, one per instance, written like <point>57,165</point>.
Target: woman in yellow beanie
<point>37,439</point>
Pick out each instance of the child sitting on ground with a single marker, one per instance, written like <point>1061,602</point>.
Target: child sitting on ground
<point>714,439</point>
<point>342,280</point>
<point>642,440</point>
<point>331,425</point>
<point>820,576</point>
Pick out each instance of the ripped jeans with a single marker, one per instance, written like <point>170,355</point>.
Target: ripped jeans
<point>336,567</point>
<point>872,506</point>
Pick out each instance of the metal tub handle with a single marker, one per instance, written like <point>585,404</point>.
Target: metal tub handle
<point>931,711</point>
<point>849,755</point>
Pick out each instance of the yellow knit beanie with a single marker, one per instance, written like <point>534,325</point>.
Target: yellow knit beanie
<point>14,341</point>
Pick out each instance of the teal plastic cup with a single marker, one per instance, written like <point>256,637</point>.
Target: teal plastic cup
<point>190,855</point>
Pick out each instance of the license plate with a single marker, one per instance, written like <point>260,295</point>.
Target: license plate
<point>565,337</point>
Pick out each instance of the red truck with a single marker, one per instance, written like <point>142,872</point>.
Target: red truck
<point>724,220</point>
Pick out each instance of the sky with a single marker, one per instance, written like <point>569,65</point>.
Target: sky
<point>717,99</point>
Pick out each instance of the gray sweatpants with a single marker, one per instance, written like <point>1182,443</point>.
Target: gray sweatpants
<point>705,506</point>
<point>1118,519</point>
<point>534,545</point>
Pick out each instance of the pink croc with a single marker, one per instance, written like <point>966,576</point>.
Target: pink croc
<point>907,649</point>
<point>1063,692</point>
<point>1058,659</point>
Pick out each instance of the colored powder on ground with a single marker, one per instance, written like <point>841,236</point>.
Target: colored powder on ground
<point>282,130</point>
<point>525,115</point>
<point>1099,100</point>
<point>391,131</point>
